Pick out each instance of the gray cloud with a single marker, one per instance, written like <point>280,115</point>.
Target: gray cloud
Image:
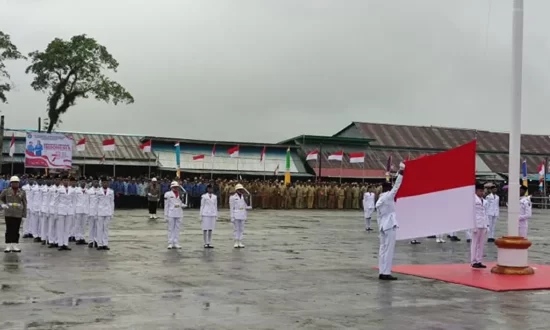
<point>267,70</point>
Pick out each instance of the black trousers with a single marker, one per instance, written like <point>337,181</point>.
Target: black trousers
<point>12,230</point>
<point>153,207</point>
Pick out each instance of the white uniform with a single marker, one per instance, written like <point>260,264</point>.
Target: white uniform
<point>173,213</point>
<point>64,203</point>
<point>368,207</point>
<point>35,200</point>
<point>238,213</point>
<point>44,212</point>
<point>82,210</point>
<point>93,194</point>
<point>525,212</point>
<point>52,219</point>
<point>493,211</point>
<point>387,224</point>
<point>480,225</point>
<point>27,225</point>
<point>105,212</point>
<point>209,211</point>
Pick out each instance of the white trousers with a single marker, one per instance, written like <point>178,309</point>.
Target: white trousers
<point>238,229</point>
<point>368,216</point>
<point>80,225</point>
<point>52,232</point>
<point>92,228</point>
<point>102,233</point>
<point>523,228</point>
<point>174,226</point>
<point>44,226</point>
<point>27,223</point>
<point>477,246</point>
<point>385,255</point>
<point>492,225</point>
<point>63,226</point>
<point>469,234</point>
<point>71,225</point>
<point>35,223</point>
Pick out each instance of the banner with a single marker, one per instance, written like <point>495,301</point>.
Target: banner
<point>53,151</point>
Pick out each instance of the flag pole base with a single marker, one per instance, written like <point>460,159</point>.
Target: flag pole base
<point>512,256</point>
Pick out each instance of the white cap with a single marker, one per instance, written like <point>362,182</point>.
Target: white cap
<point>154,180</point>
<point>239,186</point>
<point>14,178</point>
<point>174,184</point>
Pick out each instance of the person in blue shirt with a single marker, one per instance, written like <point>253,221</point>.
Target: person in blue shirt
<point>2,183</point>
<point>132,190</point>
<point>38,148</point>
<point>30,148</point>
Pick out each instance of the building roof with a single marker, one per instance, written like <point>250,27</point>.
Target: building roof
<point>329,140</point>
<point>127,146</point>
<point>172,140</point>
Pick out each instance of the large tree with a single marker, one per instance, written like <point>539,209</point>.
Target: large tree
<point>8,51</point>
<point>74,69</point>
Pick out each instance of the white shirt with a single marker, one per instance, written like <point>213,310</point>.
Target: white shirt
<point>173,206</point>
<point>385,207</point>
<point>480,213</point>
<point>27,189</point>
<point>368,200</point>
<point>82,201</point>
<point>493,208</point>
<point>238,207</point>
<point>64,200</point>
<point>52,192</point>
<point>209,205</point>
<point>525,208</point>
<point>105,202</point>
<point>45,199</point>
<point>35,198</point>
<point>93,197</point>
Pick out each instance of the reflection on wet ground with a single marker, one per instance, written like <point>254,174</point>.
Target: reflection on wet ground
<point>299,270</point>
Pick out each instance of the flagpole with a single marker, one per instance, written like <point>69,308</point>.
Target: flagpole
<point>544,182</point>
<point>114,165</point>
<point>320,160</point>
<point>239,156</point>
<point>212,166</point>
<point>341,164</point>
<point>264,168</point>
<point>363,170</point>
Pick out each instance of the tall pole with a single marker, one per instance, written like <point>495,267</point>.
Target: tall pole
<point>1,144</point>
<point>114,165</point>
<point>320,159</point>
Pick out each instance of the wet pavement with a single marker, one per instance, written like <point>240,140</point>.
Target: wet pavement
<point>299,270</point>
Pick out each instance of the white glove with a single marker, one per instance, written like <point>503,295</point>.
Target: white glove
<point>149,194</point>
<point>401,166</point>
<point>249,207</point>
<point>5,206</point>
<point>232,220</point>
<point>184,205</point>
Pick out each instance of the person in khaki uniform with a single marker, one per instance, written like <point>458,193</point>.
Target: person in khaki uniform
<point>310,196</point>
<point>283,191</point>
<point>341,195</point>
<point>332,196</point>
<point>300,196</point>
<point>355,196</point>
<point>265,195</point>
<point>14,203</point>
<point>293,194</point>
<point>322,196</point>
<point>347,202</point>
<point>276,196</point>
<point>287,200</point>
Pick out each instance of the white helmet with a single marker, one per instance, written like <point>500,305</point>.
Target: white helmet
<point>174,184</point>
<point>154,180</point>
<point>14,178</point>
<point>239,186</point>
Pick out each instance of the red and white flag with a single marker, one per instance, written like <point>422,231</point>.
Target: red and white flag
<point>312,155</point>
<point>338,155</point>
<point>356,157</point>
<point>81,145</point>
<point>233,152</point>
<point>214,151</point>
<point>198,157</point>
<point>541,170</point>
<point>12,145</point>
<point>146,146</point>
<point>262,155</point>
<point>109,145</point>
<point>443,183</point>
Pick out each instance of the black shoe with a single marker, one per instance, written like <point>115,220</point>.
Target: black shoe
<point>433,236</point>
<point>482,265</point>
<point>99,248</point>
<point>449,236</point>
<point>37,240</point>
<point>43,242</point>
<point>490,240</point>
<point>415,242</point>
<point>27,236</point>
<point>477,265</point>
<point>209,246</point>
<point>51,246</point>
<point>455,239</point>
<point>72,239</point>
<point>387,277</point>
<point>468,240</point>
<point>369,229</point>
<point>95,244</point>
<point>64,248</point>
<point>91,244</point>
<point>106,248</point>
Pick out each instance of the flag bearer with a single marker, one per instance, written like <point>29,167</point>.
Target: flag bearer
<point>82,210</point>
<point>44,211</point>
<point>64,204</point>
<point>238,212</point>
<point>14,203</point>
<point>105,212</point>
<point>52,219</point>
<point>387,224</point>
<point>493,210</point>
<point>209,213</point>
<point>479,231</point>
<point>93,193</point>
<point>368,207</point>
<point>525,211</point>
<point>173,214</point>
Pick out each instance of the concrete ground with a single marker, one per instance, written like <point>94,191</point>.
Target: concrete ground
<point>299,270</point>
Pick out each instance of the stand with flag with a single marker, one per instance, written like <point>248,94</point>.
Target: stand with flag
<point>81,147</point>
<point>287,167</point>
<point>234,153</point>
<point>147,147</point>
<point>109,145</point>
<point>338,156</point>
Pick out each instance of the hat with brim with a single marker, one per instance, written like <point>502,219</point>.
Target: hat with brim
<point>174,184</point>
<point>14,178</point>
<point>239,186</point>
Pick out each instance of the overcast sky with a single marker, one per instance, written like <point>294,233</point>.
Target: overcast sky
<point>266,70</point>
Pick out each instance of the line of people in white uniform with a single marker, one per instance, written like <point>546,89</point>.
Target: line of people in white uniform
<point>59,211</point>
<point>175,202</point>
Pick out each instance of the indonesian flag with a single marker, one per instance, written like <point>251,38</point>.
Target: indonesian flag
<point>233,152</point>
<point>198,157</point>
<point>436,185</point>
<point>214,151</point>
<point>312,155</point>
<point>337,156</point>
<point>109,145</point>
<point>356,157</point>
<point>12,145</point>
<point>541,176</point>
<point>81,145</point>
<point>262,155</point>
<point>146,146</point>
<point>541,169</point>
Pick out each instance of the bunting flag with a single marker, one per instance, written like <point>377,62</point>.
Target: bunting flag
<point>262,155</point>
<point>12,145</point>
<point>81,145</point>
<point>146,146</point>
<point>287,167</point>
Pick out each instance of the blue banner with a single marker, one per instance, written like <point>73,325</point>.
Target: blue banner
<point>177,145</point>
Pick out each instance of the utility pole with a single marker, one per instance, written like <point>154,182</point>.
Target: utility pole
<point>39,124</point>
<point>1,144</point>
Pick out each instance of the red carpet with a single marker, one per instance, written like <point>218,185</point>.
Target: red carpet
<point>463,274</point>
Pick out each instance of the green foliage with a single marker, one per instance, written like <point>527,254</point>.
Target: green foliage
<point>73,69</point>
<point>8,51</point>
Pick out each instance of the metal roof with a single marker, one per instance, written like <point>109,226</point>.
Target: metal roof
<point>127,146</point>
<point>233,172</point>
<point>318,139</point>
<point>173,140</point>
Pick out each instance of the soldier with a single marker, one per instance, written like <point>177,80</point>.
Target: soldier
<point>14,203</point>
<point>310,195</point>
<point>341,195</point>
<point>355,196</point>
<point>293,194</point>
<point>347,201</point>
